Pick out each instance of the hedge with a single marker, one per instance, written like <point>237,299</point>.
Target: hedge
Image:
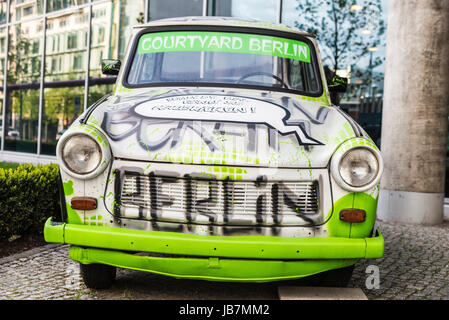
<point>28,196</point>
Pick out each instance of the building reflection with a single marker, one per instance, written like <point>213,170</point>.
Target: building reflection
<point>50,60</point>
<point>76,33</point>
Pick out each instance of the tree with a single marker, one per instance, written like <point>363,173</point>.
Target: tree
<point>345,29</point>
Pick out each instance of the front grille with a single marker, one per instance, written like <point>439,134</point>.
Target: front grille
<point>223,202</point>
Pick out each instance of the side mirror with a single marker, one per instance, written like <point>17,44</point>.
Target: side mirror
<point>111,67</point>
<point>337,84</point>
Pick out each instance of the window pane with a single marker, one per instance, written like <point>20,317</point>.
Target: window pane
<point>97,91</point>
<point>109,43</point>
<point>224,58</point>
<point>23,76</point>
<point>54,5</point>
<point>356,51</point>
<point>249,9</point>
<point>62,106</point>
<point>3,4</point>
<point>106,41</point>
<point>131,14</point>
<point>21,9</point>
<point>174,8</point>
<point>65,73</point>
<point>103,45</point>
<point>2,70</point>
<point>66,47</point>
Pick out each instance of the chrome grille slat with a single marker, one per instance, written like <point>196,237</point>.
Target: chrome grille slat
<point>172,200</point>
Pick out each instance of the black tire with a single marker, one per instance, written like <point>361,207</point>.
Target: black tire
<point>332,278</point>
<point>97,276</point>
<point>337,277</point>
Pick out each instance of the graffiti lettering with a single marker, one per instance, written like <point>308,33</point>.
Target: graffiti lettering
<point>125,118</point>
<point>222,202</point>
<point>262,112</point>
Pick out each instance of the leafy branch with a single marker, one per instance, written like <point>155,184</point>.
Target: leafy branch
<point>345,34</point>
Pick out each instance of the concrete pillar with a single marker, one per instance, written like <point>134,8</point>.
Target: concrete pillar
<point>415,112</point>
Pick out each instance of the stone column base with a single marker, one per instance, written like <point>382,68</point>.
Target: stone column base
<point>410,207</point>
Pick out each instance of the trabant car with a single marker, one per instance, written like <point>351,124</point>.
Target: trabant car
<point>218,156</point>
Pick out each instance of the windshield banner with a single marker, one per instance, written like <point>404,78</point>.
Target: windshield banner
<point>224,42</point>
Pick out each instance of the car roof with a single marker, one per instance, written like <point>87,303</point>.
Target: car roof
<point>223,21</point>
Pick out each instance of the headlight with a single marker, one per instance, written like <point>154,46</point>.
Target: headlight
<point>81,154</point>
<point>358,167</point>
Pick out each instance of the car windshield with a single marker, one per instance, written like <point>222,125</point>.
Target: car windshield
<point>226,58</point>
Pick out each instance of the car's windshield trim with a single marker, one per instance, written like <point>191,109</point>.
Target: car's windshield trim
<point>212,28</point>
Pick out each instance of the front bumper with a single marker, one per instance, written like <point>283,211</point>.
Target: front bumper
<point>222,258</point>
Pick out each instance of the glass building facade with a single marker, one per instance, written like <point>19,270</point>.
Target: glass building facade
<point>51,52</point>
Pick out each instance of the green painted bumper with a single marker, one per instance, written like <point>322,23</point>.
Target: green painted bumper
<point>251,258</point>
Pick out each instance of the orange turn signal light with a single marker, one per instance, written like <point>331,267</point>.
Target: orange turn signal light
<point>83,203</point>
<point>353,215</point>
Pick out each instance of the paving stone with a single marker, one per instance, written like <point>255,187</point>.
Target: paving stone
<point>415,266</point>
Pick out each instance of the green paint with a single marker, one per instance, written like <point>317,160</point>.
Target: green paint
<point>226,172</point>
<point>107,67</point>
<point>342,135</point>
<point>239,258</point>
<point>355,142</point>
<point>68,188</point>
<point>324,99</point>
<point>92,132</point>
<point>336,227</point>
<point>212,269</point>
<point>364,201</point>
<point>249,247</point>
<point>93,122</point>
<point>223,42</point>
<point>54,233</point>
<point>121,89</point>
<point>349,131</point>
<point>72,215</point>
<point>195,152</point>
<point>369,204</point>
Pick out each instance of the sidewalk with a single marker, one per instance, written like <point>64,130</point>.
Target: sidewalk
<point>415,266</point>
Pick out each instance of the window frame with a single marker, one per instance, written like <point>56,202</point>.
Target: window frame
<point>214,28</point>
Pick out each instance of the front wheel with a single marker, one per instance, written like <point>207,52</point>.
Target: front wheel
<point>336,277</point>
<point>97,276</point>
<point>333,278</point>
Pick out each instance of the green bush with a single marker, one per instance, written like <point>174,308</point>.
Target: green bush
<point>8,165</point>
<point>28,196</point>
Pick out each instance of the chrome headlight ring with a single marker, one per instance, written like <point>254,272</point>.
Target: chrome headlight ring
<point>83,152</point>
<point>358,168</point>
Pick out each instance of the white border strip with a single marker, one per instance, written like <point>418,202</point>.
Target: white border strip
<point>22,157</point>
<point>410,207</point>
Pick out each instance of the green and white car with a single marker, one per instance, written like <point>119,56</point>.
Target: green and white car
<point>218,156</point>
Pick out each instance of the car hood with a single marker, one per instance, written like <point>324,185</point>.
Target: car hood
<point>222,127</point>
